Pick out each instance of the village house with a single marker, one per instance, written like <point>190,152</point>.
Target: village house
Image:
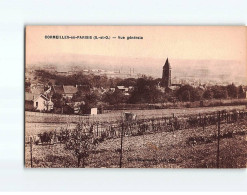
<point>57,89</point>
<point>48,91</point>
<point>112,89</point>
<point>69,91</point>
<point>42,103</point>
<point>100,90</point>
<point>125,90</point>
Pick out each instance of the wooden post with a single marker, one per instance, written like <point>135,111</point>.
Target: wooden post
<point>200,119</point>
<point>130,128</point>
<point>153,124</point>
<point>203,127</point>
<point>97,133</point>
<point>218,142</point>
<point>121,149</point>
<point>31,151</point>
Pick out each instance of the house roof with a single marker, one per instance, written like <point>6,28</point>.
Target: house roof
<point>58,89</point>
<point>47,91</point>
<point>41,96</point>
<point>173,87</point>
<point>123,88</point>
<point>69,89</point>
<point>120,87</point>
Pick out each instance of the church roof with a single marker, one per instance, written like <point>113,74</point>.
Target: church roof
<point>167,64</point>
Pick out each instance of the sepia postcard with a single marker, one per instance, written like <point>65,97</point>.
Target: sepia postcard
<point>135,97</point>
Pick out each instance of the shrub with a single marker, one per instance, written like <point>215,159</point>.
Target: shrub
<point>80,143</point>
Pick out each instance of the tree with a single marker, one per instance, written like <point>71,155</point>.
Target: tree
<point>27,86</point>
<point>128,82</point>
<point>197,94</point>
<point>232,91</point>
<point>219,92</point>
<point>80,143</point>
<point>91,100</point>
<point>185,96</point>
<point>146,91</point>
<point>208,94</point>
<point>78,97</point>
<point>240,92</point>
<point>189,93</point>
<point>114,98</point>
<point>57,100</point>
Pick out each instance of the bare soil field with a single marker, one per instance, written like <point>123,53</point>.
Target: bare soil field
<point>40,122</point>
<point>188,148</point>
<point>36,117</point>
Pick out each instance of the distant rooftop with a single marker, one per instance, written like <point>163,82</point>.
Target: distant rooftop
<point>69,89</point>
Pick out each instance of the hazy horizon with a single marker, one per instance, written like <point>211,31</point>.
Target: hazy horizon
<point>180,67</point>
<point>216,51</point>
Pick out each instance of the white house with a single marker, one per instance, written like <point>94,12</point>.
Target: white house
<point>42,103</point>
<point>94,111</point>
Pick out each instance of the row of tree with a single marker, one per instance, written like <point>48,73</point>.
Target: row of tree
<point>189,93</point>
<point>145,90</point>
<point>77,79</point>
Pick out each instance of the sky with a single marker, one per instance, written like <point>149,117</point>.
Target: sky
<point>214,44</point>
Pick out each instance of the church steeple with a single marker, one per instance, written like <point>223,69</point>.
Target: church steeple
<point>167,64</point>
<point>166,76</point>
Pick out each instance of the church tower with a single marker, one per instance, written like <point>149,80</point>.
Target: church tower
<point>166,76</point>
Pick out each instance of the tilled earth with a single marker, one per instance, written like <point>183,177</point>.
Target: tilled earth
<point>188,148</point>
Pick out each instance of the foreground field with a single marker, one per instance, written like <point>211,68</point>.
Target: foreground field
<point>40,122</point>
<point>188,148</point>
<point>36,117</point>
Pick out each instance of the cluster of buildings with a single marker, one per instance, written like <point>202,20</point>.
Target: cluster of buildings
<point>39,97</point>
<point>99,72</point>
